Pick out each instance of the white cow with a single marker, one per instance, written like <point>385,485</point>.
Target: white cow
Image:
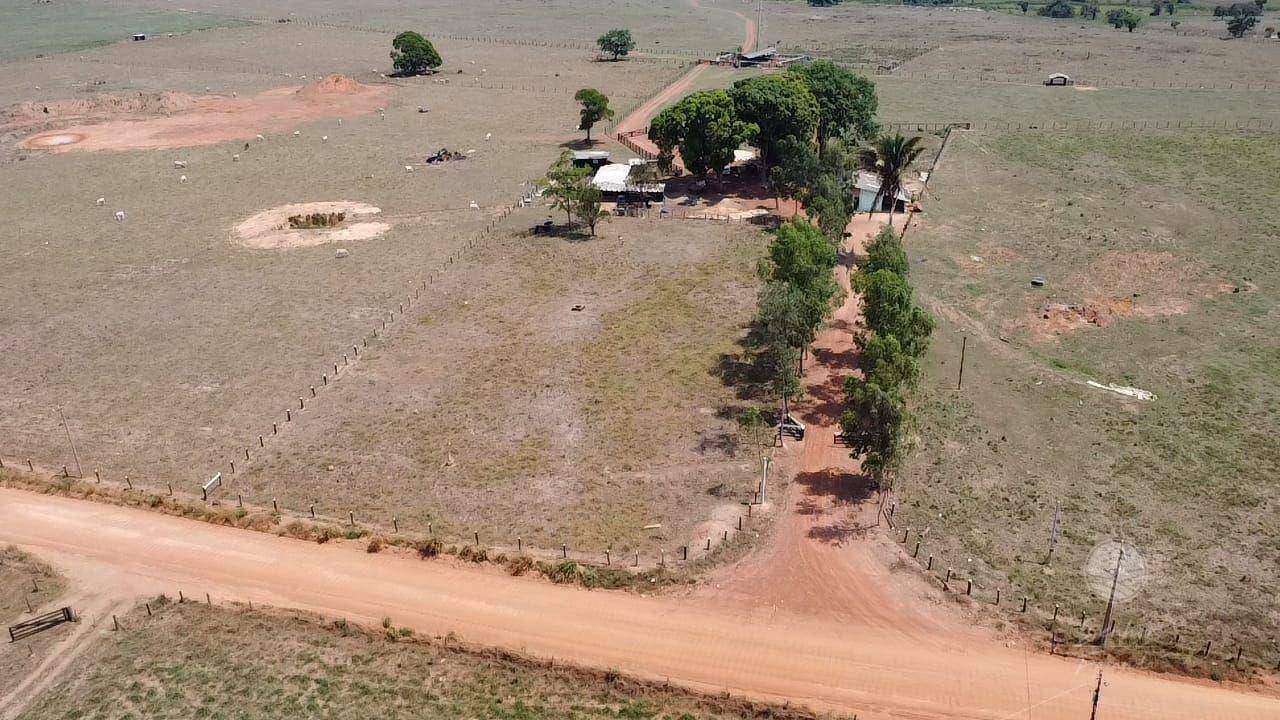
<point>488,136</point>
<point>235,158</point>
<point>119,216</point>
<point>182,179</point>
<point>179,164</point>
<point>408,168</point>
<point>261,138</point>
<point>324,138</point>
<point>101,201</point>
<point>475,205</point>
<point>297,133</point>
<point>339,121</point>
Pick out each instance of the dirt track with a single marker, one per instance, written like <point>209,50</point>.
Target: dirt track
<point>707,643</point>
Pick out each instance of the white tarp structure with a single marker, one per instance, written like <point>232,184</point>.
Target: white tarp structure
<point>612,177</point>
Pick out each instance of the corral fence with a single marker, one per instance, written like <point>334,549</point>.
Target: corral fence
<point>1134,84</point>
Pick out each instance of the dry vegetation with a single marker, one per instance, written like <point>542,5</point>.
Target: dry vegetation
<point>18,570</point>
<point>1156,253</point>
<point>190,660</point>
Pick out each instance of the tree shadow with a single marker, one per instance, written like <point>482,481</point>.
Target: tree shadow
<point>834,492</point>
<point>581,144</point>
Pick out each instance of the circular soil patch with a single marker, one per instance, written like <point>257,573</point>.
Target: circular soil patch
<point>276,229</point>
<point>54,140</point>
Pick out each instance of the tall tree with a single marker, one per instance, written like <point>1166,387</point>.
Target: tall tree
<point>616,42</point>
<point>563,183</point>
<point>797,171</point>
<point>873,425</point>
<point>779,106</point>
<point>595,107</point>
<point>890,309</point>
<point>885,252</point>
<point>587,200</point>
<point>412,54</point>
<point>846,101</point>
<point>704,127</point>
<point>889,157</point>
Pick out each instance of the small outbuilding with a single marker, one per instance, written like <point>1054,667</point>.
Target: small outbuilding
<point>867,185</point>
<point>595,159</point>
<point>1059,79</point>
<point>139,37</point>
<point>614,180</point>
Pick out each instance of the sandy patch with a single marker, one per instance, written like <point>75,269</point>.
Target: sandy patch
<point>1084,88</point>
<point>270,229</point>
<point>173,121</point>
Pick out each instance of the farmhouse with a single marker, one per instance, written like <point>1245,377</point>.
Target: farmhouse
<point>867,187</point>
<point>590,158</point>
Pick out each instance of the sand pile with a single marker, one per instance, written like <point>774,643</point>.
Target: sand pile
<point>332,85</point>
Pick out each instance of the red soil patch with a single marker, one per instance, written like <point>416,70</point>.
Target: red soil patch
<point>172,120</point>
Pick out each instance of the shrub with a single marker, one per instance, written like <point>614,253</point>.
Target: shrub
<point>428,548</point>
<point>473,553</point>
<point>375,545</point>
<point>1057,9</point>
<point>520,565</point>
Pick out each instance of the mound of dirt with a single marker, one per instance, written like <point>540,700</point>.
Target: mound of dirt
<point>332,85</point>
<point>161,103</point>
<point>309,224</point>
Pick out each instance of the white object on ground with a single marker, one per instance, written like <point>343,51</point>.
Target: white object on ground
<point>341,253</point>
<point>101,201</point>
<point>179,164</point>
<point>182,179</point>
<point>119,216</point>
<point>261,138</point>
<point>475,205</point>
<point>1132,392</point>
<point>408,168</point>
<point>324,138</point>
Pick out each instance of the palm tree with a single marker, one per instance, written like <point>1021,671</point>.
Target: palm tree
<point>889,157</point>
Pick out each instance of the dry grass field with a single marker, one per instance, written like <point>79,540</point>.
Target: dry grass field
<point>171,348</point>
<point>1156,251</point>
<point>190,660</point>
<point>20,576</point>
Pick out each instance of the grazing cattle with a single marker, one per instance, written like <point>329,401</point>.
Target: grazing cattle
<point>475,205</point>
<point>261,138</point>
<point>119,216</point>
<point>235,158</point>
<point>408,168</point>
<point>324,138</point>
<point>179,164</point>
<point>182,179</point>
<point>101,201</point>
<point>488,136</point>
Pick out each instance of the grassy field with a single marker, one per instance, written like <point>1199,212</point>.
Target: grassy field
<point>1157,261</point>
<point>25,27</point>
<point>169,347</point>
<point>190,660</point>
<point>499,408</point>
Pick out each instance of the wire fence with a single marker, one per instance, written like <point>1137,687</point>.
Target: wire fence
<point>1242,124</point>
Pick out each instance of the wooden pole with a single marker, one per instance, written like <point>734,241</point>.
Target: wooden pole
<point>71,442</point>
<point>964,346</point>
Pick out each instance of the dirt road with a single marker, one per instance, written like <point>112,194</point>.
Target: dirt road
<point>639,118</point>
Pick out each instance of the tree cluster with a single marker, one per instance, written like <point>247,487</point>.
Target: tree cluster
<point>1123,18</point>
<point>1057,9</point>
<point>812,103</point>
<point>571,190</point>
<point>1241,17</point>
<point>875,421</point>
<point>800,290</point>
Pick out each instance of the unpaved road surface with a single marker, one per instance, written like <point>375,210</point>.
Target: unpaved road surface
<point>707,643</point>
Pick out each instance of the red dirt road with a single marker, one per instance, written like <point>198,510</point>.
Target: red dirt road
<point>639,118</point>
<point>707,643</point>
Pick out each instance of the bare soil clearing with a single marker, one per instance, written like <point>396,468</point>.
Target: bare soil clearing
<point>699,643</point>
<point>275,229</point>
<point>214,120</point>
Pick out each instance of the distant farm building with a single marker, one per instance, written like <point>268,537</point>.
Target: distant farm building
<point>767,57</point>
<point>867,187</point>
<point>139,37</point>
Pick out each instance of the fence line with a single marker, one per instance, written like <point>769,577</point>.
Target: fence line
<point>1245,124</point>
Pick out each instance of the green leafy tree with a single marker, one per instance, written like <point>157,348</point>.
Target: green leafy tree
<point>1131,21</point>
<point>890,309</point>
<point>587,200</point>
<point>885,252</point>
<point>617,43</point>
<point>1090,10</point>
<point>873,425</point>
<point>889,157</point>
<point>797,171</point>
<point>704,127</point>
<point>885,363</point>
<point>563,183</point>
<point>847,102</point>
<point>1024,5</point>
<point>595,107</point>
<point>779,106</point>
<point>830,201</point>
<point>412,54</point>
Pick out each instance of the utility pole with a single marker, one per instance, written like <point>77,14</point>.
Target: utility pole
<point>764,479</point>
<point>1097,695</point>
<point>70,442</point>
<point>1111,601</point>
<point>964,345</point>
